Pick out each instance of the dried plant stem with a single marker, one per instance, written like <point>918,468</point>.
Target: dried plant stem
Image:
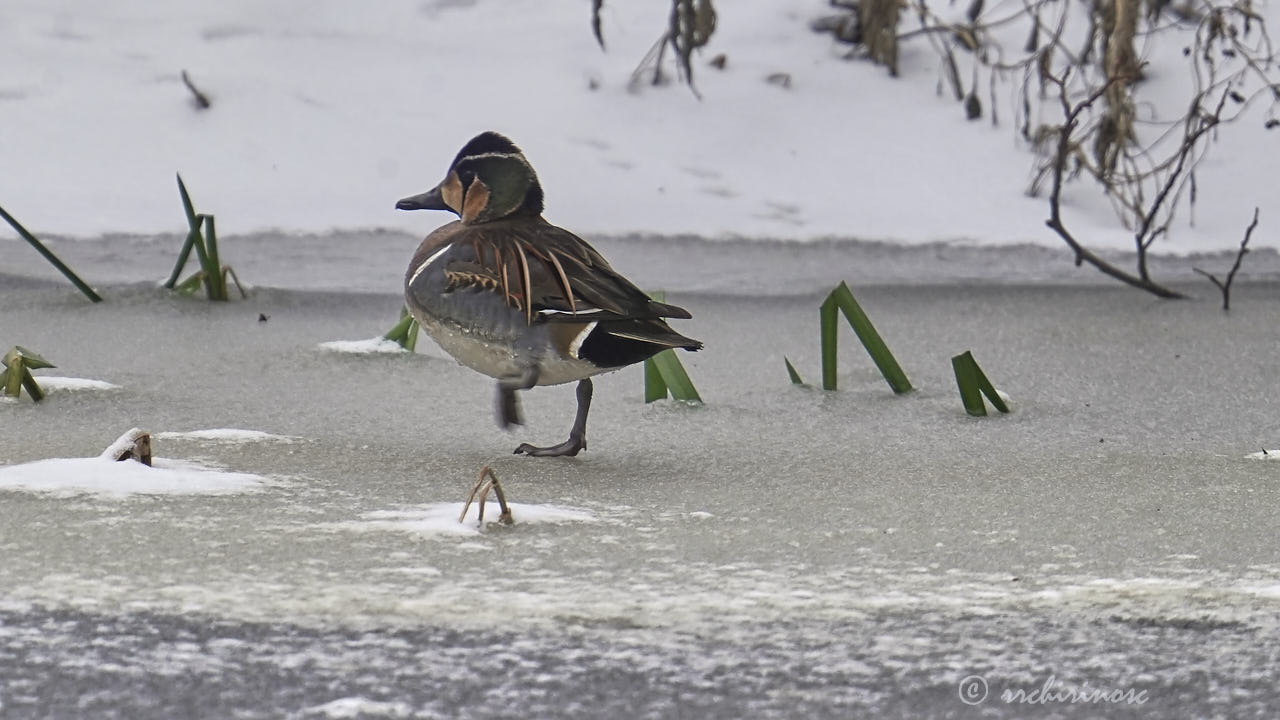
<point>202,100</point>
<point>487,481</point>
<point>1225,286</point>
<point>1083,254</point>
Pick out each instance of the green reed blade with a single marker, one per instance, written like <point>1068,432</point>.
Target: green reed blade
<point>13,379</point>
<point>791,372</point>
<point>16,370</point>
<point>664,373</point>
<point>183,256</point>
<point>193,220</point>
<point>405,332</point>
<point>191,284</point>
<point>871,339</point>
<point>235,278</point>
<point>194,238</point>
<point>411,336</point>
<point>654,387</point>
<point>989,390</point>
<point>32,360</point>
<point>829,341</point>
<point>675,377</point>
<point>33,389</point>
<point>214,280</point>
<point>966,371</point>
<point>973,384</point>
<point>48,255</point>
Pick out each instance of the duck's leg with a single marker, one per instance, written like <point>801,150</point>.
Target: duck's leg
<point>577,435</point>
<point>508,403</point>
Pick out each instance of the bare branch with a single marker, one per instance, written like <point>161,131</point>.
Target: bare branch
<point>1225,286</point>
<point>1084,255</point>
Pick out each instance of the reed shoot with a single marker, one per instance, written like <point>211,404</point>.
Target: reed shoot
<point>212,274</point>
<point>842,299</point>
<point>48,255</point>
<point>974,384</point>
<point>18,364</point>
<point>405,332</point>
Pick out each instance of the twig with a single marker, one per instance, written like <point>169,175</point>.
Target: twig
<point>1083,254</point>
<point>596,5</point>
<point>202,100</point>
<point>482,488</point>
<point>1225,287</point>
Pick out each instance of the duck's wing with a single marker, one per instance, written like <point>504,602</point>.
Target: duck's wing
<point>549,273</point>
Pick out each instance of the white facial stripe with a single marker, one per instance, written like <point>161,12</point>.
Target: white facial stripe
<point>506,156</point>
<point>490,155</point>
<point>434,256</point>
<point>576,345</point>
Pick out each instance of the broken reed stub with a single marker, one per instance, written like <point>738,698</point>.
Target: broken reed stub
<point>18,364</point>
<point>973,384</point>
<point>488,481</point>
<point>133,445</point>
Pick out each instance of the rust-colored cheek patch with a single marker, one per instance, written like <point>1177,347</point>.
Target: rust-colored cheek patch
<point>476,201</point>
<point>451,192</point>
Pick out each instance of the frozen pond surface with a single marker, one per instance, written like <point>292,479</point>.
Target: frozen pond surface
<point>780,552</point>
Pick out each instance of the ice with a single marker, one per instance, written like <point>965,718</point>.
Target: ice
<point>107,478</point>
<point>777,552</point>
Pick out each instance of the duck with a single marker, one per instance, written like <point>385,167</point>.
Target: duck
<point>514,297</point>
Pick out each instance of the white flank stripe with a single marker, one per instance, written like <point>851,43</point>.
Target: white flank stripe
<point>582,337</point>
<point>553,311</point>
<point>434,256</point>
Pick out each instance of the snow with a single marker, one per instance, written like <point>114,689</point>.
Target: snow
<point>363,347</point>
<point>441,519</point>
<point>125,442</point>
<point>326,112</point>
<point>359,707</point>
<point>103,477</point>
<point>53,383</point>
<point>226,435</point>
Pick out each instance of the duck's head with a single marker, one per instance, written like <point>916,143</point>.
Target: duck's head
<point>489,179</point>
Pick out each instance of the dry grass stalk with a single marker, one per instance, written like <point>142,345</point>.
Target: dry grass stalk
<point>488,481</point>
<point>880,31</point>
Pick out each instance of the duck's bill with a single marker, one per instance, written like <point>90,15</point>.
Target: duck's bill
<point>429,200</point>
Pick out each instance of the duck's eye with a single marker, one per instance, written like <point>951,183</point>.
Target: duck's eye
<point>465,177</point>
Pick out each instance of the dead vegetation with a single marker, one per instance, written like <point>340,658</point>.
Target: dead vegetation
<point>1075,92</point>
<point>690,26</point>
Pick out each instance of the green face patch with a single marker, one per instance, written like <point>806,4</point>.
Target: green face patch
<point>508,178</point>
